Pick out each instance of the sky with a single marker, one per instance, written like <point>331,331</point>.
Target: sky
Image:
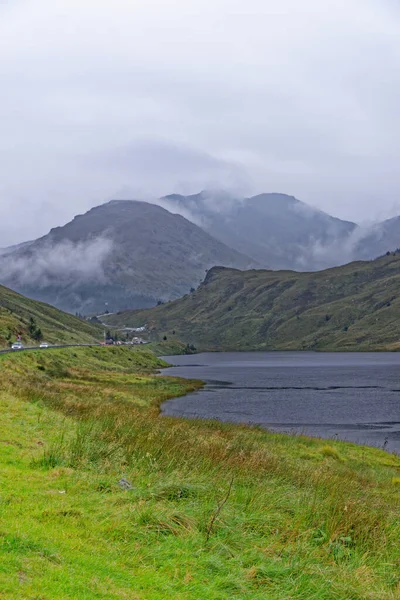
<point>141,98</point>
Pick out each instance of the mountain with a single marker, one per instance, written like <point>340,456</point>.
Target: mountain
<point>353,307</point>
<point>129,254</point>
<point>379,239</point>
<point>277,230</point>
<point>13,248</point>
<point>56,326</point>
<point>118,255</point>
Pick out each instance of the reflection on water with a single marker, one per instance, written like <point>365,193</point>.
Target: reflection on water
<point>352,396</point>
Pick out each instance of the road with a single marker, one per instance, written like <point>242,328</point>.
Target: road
<point>8,351</point>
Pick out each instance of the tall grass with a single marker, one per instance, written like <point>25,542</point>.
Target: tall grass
<point>294,517</point>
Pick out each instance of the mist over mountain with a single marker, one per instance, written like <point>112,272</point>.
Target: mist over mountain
<point>281,232</point>
<point>379,239</point>
<point>10,249</point>
<point>129,254</point>
<point>123,254</point>
<point>277,230</point>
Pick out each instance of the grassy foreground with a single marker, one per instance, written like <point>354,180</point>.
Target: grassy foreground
<point>102,498</point>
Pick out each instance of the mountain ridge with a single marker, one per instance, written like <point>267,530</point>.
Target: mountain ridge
<point>278,230</point>
<point>352,307</point>
<point>132,254</point>
<point>117,255</point>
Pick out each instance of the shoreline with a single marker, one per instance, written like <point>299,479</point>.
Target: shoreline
<point>102,495</point>
<point>334,431</point>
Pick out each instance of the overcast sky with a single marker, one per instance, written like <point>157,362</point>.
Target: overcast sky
<point>139,98</point>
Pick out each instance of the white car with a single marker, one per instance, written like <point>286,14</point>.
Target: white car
<point>44,345</point>
<point>17,346</point>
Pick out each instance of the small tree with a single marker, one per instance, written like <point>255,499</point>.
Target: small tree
<point>38,336</point>
<point>34,331</point>
<point>32,327</point>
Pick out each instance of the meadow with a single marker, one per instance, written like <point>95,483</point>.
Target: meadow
<point>101,498</point>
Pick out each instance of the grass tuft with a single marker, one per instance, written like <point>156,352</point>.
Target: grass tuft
<point>330,452</point>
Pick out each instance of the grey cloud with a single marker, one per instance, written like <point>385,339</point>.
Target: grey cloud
<point>153,98</point>
<point>342,250</point>
<point>212,202</point>
<point>65,262</point>
<point>159,166</point>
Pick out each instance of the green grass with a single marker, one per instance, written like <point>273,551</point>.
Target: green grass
<point>170,347</point>
<point>304,519</point>
<point>354,307</point>
<point>57,327</point>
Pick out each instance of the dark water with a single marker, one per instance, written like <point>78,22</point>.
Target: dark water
<point>351,396</point>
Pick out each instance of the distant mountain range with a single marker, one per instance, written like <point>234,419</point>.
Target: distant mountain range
<point>133,254</point>
<point>281,232</point>
<point>277,230</point>
<point>123,254</point>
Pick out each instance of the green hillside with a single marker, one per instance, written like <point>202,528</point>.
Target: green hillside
<point>354,307</point>
<point>55,325</point>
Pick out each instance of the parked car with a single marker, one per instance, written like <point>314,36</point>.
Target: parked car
<point>44,345</point>
<point>17,346</point>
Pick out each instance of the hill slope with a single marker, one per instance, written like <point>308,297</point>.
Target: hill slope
<point>118,255</point>
<point>354,307</point>
<point>277,230</point>
<point>56,326</point>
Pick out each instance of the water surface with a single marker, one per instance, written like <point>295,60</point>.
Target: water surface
<point>351,396</point>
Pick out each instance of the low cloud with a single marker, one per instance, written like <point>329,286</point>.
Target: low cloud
<point>204,206</point>
<point>360,244</point>
<point>59,263</point>
<point>298,97</point>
